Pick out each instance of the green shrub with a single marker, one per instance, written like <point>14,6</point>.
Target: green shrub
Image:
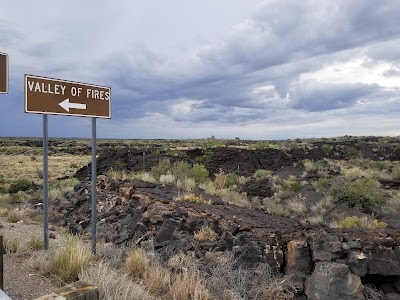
<point>308,165</point>
<point>20,185</point>
<point>199,173</point>
<point>362,222</point>
<point>326,149</point>
<point>291,185</point>
<point>396,172</point>
<point>231,180</point>
<point>260,174</point>
<point>163,167</point>
<point>358,193</point>
<point>351,152</point>
<point>181,170</point>
<point>321,184</point>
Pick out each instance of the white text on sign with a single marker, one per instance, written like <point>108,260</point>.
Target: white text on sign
<point>59,89</point>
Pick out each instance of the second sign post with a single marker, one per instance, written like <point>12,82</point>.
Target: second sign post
<point>61,97</point>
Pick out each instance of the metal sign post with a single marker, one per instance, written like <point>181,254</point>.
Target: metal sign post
<point>61,97</point>
<point>45,185</point>
<point>3,73</point>
<point>94,190</point>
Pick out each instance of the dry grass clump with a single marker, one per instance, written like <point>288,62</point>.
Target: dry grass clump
<point>167,179</point>
<point>372,293</point>
<point>113,284</point>
<point>205,234</point>
<point>188,285</point>
<point>274,206</point>
<point>392,205</point>
<point>14,167</point>
<point>11,245</point>
<point>15,216</point>
<point>239,199</point>
<point>190,197</point>
<point>297,206</point>
<point>220,179</point>
<point>136,263</point>
<point>35,243</point>
<point>278,289</point>
<point>40,262</point>
<point>187,184</point>
<point>70,259</point>
<point>157,279</point>
<point>3,211</point>
<point>358,222</point>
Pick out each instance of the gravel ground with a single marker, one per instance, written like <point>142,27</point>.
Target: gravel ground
<point>20,282</point>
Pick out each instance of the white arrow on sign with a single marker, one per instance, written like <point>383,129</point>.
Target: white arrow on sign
<point>67,105</point>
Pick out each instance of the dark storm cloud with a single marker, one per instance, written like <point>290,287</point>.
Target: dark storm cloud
<point>268,49</point>
<point>316,96</point>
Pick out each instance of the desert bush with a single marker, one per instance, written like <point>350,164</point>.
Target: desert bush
<point>136,262</point>
<point>181,170</point>
<point>205,234</point>
<point>351,152</point>
<point>324,205</point>
<point>297,205</point>
<point>188,285</point>
<point>321,184</point>
<point>392,205</point>
<point>114,255</point>
<point>167,179</point>
<point>70,259</point>
<point>396,172</point>
<point>372,293</point>
<point>220,179</point>
<point>308,165</point>
<point>35,243</point>
<point>187,184</point>
<point>358,193</point>
<point>261,174</point>
<point>359,222</point>
<point>146,177</point>
<point>237,198</point>
<point>161,168</point>
<point>190,197</point>
<point>157,279</point>
<point>356,172</point>
<point>232,179</point>
<point>11,245</point>
<point>326,149</point>
<point>312,220</point>
<point>113,284</point>
<point>20,185</point>
<point>274,206</point>
<point>291,185</point>
<point>199,173</point>
<point>15,216</point>
<point>278,290</point>
<point>39,261</point>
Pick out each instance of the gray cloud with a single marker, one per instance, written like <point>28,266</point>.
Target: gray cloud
<point>236,67</point>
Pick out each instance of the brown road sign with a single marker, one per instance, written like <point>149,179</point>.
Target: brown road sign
<point>3,73</point>
<point>61,97</point>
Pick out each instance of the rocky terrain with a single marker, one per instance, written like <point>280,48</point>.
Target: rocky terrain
<point>322,262</point>
<point>290,217</point>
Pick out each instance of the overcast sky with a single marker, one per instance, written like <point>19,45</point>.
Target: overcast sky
<point>225,68</point>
